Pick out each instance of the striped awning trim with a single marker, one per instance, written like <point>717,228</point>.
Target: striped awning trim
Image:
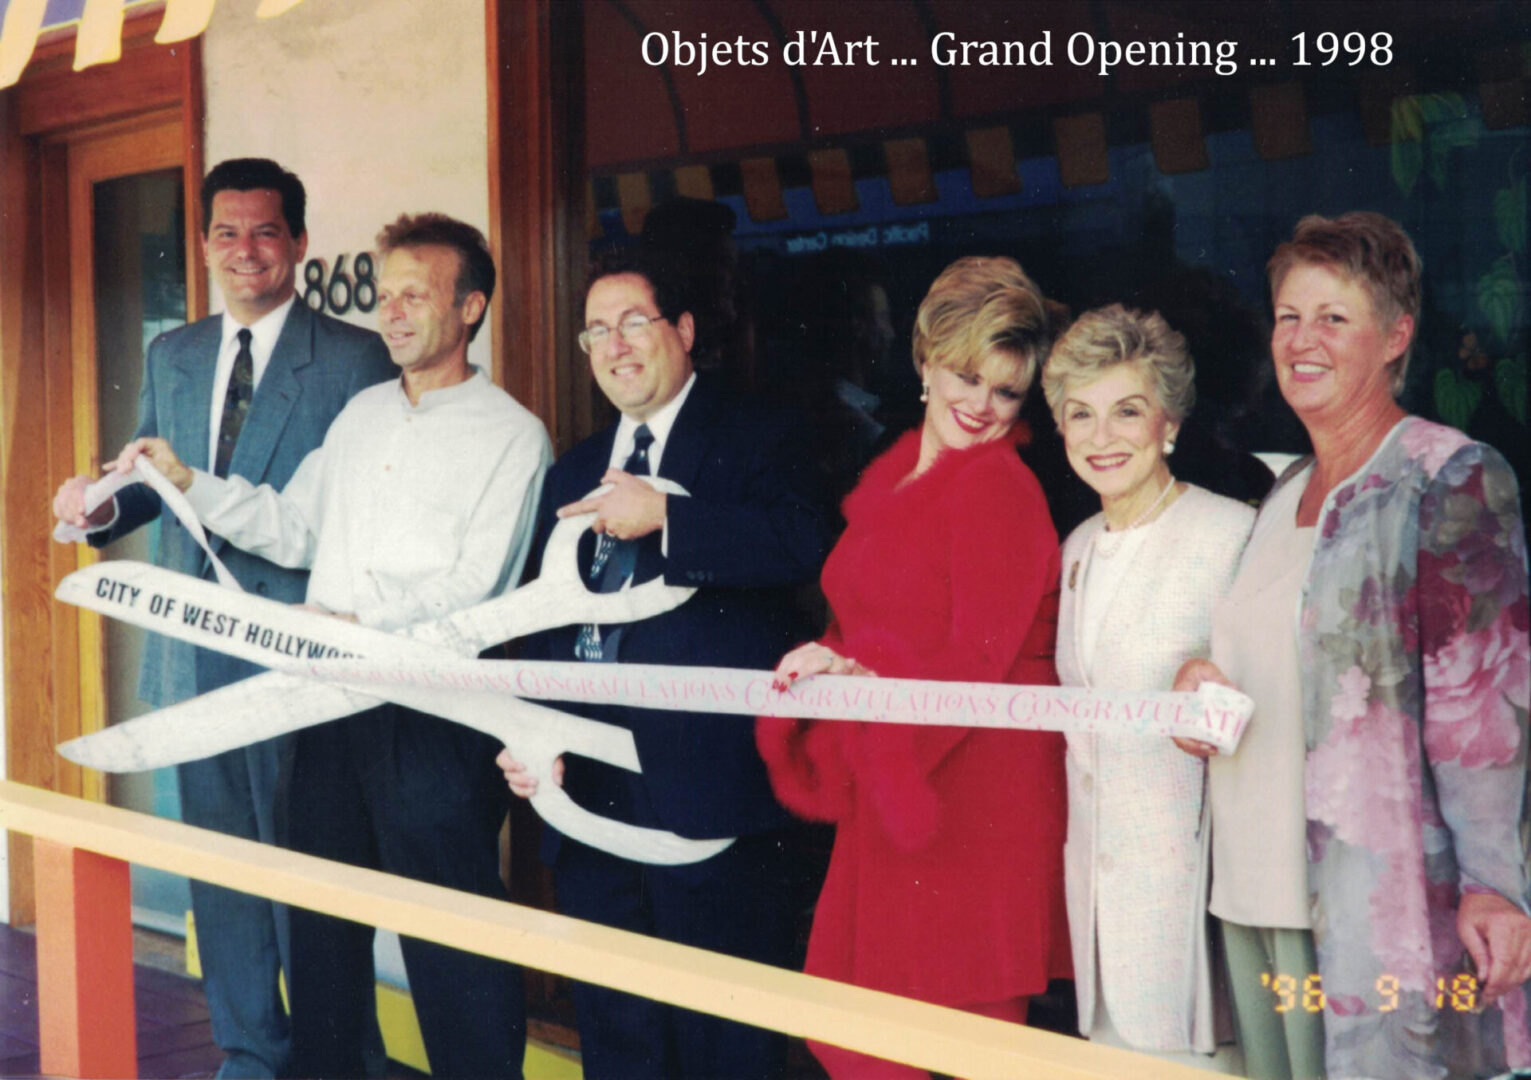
<point>98,35</point>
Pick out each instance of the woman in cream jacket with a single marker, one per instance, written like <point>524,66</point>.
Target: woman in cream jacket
<point>1139,582</point>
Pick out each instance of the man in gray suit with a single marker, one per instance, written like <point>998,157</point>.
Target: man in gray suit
<point>248,392</point>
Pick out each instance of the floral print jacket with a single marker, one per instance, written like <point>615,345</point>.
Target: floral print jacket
<point>1413,643</point>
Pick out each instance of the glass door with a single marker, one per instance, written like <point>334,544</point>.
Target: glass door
<point>128,275</point>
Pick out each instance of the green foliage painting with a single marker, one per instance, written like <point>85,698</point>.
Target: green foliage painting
<point>1426,130</point>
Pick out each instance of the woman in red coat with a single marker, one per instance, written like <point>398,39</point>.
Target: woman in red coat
<point>946,881</point>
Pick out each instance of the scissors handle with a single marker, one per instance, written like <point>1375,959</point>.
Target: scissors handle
<point>626,841</point>
<point>536,736</point>
<point>559,597</point>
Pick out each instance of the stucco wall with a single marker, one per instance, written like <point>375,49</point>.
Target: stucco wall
<point>379,105</point>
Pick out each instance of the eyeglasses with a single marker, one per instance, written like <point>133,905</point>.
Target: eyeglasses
<point>635,330</point>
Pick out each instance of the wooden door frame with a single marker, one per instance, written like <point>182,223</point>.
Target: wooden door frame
<point>537,209</point>
<point>40,388</point>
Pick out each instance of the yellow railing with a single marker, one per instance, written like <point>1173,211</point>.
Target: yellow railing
<point>928,1036</point>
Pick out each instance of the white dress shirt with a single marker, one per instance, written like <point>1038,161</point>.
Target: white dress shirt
<point>407,512</point>
<point>659,426</point>
<point>263,334</point>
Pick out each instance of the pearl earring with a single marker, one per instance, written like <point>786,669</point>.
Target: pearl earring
<point>1169,447</point>
<point>925,392</point>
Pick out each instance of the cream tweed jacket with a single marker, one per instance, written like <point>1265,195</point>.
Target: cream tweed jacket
<point>1136,860</point>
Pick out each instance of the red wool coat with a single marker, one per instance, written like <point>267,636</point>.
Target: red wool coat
<point>946,880</point>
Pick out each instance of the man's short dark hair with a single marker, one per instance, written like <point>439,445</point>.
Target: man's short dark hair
<point>475,265</point>
<point>666,274</point>
<point>253,174</point>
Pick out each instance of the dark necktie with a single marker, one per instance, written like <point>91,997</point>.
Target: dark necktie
<point>236,403</point>
<point>613,564</point>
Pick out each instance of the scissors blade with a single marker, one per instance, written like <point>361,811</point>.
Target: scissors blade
<point>242,713</point>
<point>275,704</point>
<point>273,634</point>
<point>270,633</point>
<point>203,613</point>
<point>249,627</point>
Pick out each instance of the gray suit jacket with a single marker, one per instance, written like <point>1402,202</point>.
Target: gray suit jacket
<point>318,363</point>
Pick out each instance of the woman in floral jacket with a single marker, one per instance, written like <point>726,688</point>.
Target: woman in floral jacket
<point>1410,658</point>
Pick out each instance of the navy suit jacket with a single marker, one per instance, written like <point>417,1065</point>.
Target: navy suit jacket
<point>317,364</point>
<point>750,532</point>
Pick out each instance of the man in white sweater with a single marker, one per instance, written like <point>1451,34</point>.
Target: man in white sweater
<point>421,502</point>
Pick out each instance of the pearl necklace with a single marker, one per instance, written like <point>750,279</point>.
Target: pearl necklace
<point>1109,541</point>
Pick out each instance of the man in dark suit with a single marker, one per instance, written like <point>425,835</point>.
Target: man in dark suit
<point>746,533</point>
<point>248,392</point>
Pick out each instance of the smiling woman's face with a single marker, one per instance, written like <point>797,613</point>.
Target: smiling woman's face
<point>1114,430</point>
<point>967,409</point>
<point>1332,355</point>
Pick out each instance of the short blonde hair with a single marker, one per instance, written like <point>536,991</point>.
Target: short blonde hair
<point>1101,339</point>
<point>1369,249</point>
<point>978,305</point>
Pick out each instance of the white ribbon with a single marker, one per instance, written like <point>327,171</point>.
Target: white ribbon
<point>328,668</point>
<point>103,490</point>
<point>1213,714</point>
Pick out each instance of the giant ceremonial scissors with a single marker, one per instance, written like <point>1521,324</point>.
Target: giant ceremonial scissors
<point>328,668</point>
<point>273,634</point>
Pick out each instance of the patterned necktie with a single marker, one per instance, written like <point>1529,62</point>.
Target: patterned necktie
<point>236,403</point>
<point>613,564</point>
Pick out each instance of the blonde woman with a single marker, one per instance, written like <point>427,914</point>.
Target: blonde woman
<point>945,882</point>
<point>1139,582</point>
